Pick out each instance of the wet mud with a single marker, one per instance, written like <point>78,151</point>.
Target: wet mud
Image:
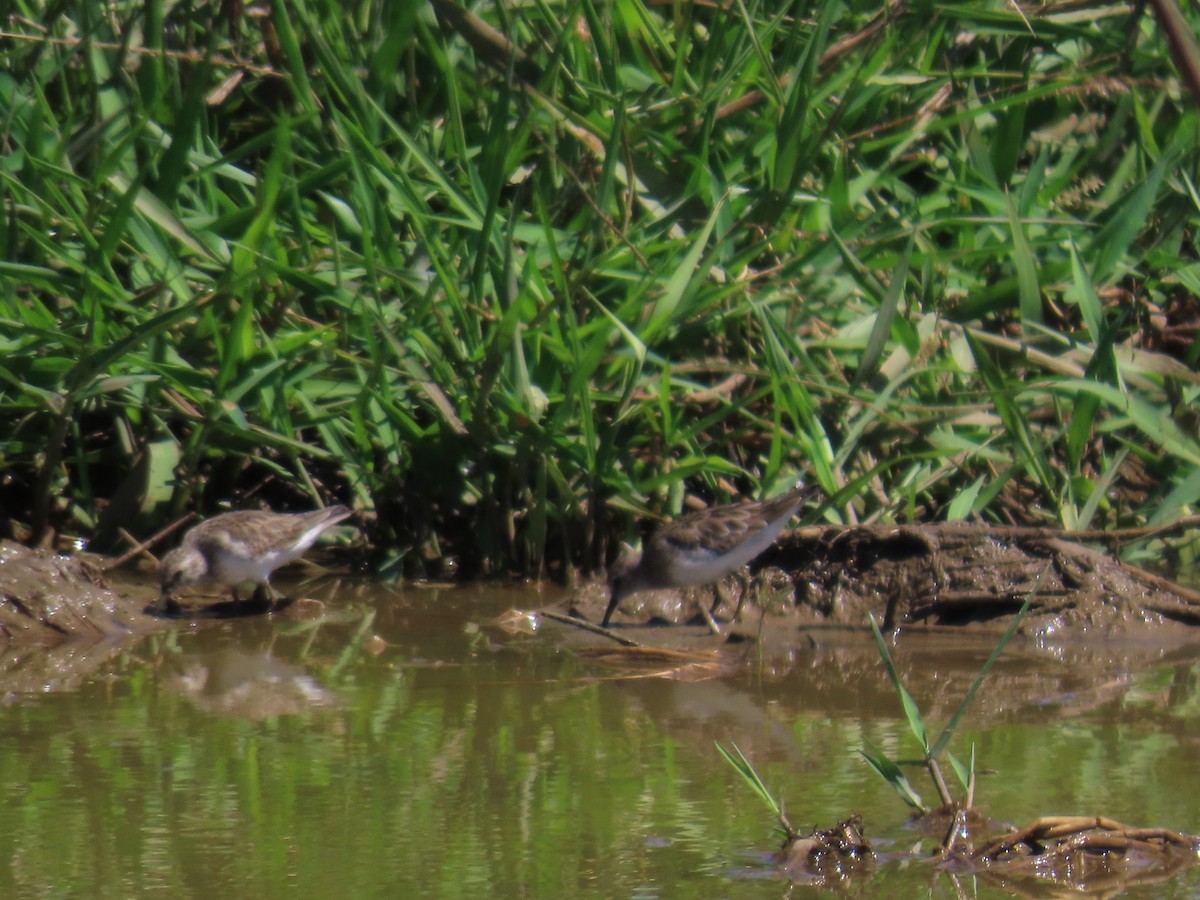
<point>816,584</point>
<point>924,577</point>
<point>64,617</point>
<point>806,601</point>
<point>46,597</point>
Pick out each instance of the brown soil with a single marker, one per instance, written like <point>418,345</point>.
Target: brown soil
<point>923,577</point>
<point>46,597</point>
<point>62,617</point>
<point>927,577</point>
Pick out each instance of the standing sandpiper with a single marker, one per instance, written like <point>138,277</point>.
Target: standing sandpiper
<point>237,547</point>
<point>703,546</point>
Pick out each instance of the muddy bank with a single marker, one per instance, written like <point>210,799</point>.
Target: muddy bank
<point>959,574</point>
<point>46,597</point>
<point>917,577</point>
<point>926,577</point>
<point>63,617</point>
<point>59,621</point>
<point>948,591</point>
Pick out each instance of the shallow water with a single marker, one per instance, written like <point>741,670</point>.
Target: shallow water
<point>396,743</point>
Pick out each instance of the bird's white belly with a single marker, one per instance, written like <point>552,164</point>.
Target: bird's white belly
<point>698,567</point>
<point>235,568</point>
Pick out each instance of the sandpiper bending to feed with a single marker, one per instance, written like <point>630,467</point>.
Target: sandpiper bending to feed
<point>237,547</point>
<point>703,546</point>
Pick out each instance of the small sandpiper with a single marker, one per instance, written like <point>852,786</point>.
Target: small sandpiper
<point>237,547</point>
<point>703,546</point>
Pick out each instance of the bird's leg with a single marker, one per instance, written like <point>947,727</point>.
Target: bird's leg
<point>743,575</point>
<point>706,614</point>
<point>720,598</point>
<point>265,594</point>
<point>723,599</point>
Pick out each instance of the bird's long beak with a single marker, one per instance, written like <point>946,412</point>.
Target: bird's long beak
<point>612,605</point>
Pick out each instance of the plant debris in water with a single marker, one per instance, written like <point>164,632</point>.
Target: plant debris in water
<point>1076,852</point>
<point>1070,847</point>
<point>826,857</point>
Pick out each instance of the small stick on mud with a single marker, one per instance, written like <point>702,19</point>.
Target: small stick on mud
<point>139,547</point>
<point>145,545</point>
<point>587,626</point>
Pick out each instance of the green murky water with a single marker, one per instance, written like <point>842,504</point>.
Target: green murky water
<point>393,748</point>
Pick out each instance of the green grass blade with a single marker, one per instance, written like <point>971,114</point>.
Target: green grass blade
<point>892,774</point>
<point>916,723</point>
<point>881,331</point>
<point>1009,633</point>
<point>743,767</point>
<point>1027,280</point>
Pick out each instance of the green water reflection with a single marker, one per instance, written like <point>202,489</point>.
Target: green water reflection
<point>274,756</point>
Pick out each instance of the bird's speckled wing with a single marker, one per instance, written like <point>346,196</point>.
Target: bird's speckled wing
<point>252,532</point>
<point>722,528</point>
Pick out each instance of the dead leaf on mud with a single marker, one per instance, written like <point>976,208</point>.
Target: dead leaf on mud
<point>516,621</point>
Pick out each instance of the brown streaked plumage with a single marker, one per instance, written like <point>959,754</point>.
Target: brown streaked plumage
<point>703,546</point>
<point>248,545</point>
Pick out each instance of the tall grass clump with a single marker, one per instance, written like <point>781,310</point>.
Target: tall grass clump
<point>501,276</point>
